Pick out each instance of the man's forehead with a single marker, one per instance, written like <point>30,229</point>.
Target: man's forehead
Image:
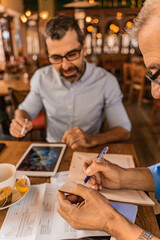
<point>63,45</point>
<point>149,42</point>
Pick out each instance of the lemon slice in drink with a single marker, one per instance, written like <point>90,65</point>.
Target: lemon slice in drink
<point>21,185</point>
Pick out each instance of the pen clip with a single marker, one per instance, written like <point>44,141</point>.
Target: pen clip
<point>102,153</point>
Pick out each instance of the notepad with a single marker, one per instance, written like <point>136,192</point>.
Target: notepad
<point>126,161</point>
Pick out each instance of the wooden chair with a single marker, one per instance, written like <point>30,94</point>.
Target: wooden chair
<point>4,121</point>
<point>17,97</point>
<point>127,76</point>
<point>138,74</point>
<point>155,110</point>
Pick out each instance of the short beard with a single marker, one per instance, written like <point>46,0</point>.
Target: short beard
<point>75,77</point>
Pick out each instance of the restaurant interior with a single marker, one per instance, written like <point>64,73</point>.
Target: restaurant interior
<point>104,23</point>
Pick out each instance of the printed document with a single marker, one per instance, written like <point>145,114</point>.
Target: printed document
<point>36,218</point>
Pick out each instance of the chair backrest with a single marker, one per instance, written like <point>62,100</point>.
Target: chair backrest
<point>138,74</point>
<point>17,96</point>
<point>127,68</point>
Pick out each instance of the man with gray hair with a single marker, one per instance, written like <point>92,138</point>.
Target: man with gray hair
<point>74,93</point>
<point>95,212</point>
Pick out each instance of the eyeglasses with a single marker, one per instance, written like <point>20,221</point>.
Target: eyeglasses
<point>153,77</point>
<point>70,56</point>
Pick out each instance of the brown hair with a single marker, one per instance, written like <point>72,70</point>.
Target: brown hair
<point>57,27</point>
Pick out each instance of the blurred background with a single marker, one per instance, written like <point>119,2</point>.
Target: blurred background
<point>22,51</point>
<point>22,25</point>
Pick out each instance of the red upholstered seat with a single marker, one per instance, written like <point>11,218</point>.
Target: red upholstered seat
<point>39,121</point>
<point>17,96</point>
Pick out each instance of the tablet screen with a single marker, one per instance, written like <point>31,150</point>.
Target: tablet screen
<point>41,158</point>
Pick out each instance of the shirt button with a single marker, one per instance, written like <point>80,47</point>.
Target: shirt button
<point>69,106</point>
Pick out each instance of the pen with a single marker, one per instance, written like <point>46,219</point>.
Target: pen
<point>23,128</point>
<point>99,159</point>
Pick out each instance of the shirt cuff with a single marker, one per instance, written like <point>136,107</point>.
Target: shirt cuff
<point>155,170</point>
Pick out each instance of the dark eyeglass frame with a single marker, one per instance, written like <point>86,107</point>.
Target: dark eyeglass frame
<point>153,77</point>
<point>66,56</point>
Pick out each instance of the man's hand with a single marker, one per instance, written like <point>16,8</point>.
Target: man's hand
<point>94,212</point>
<point>76,137</point>
<point>17,125</point>
<point>104,174</point>
<point>109,175</point>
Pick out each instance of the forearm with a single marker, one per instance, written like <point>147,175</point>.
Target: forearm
<point>138,179</point>
<point>113,135</point>
<point>123,229</point>
<point>21,114</point>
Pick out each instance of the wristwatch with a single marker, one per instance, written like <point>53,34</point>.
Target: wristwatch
<point>145,235</point>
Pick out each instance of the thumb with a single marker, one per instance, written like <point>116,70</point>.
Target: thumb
<point>96,167</point>
<point>80,190</point>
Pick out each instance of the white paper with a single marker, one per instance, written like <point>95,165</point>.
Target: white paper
<point>52,225</point>
<point>58,228</point>
<point>22,219</point>
<point>36,216</point>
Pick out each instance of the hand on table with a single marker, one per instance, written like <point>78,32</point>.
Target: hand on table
<point>103,174</point>
<point>17,125</point>
<point>76,137</point>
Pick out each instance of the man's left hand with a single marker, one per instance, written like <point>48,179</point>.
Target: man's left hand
<point>76,137</point>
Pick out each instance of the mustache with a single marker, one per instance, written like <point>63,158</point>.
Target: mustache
<point>69,70</point>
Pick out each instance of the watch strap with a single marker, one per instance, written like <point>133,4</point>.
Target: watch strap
<point>145,235</point>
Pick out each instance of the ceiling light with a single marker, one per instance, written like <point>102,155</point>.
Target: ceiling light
<point>80,4</point>
<point>129,24</point>
<point>99,35</point>
<point>88,19</point>
<point>44,15</point>
<point>96,20</point>
<point>90,28</point>
<point>23,18</point>
<point>28,13</point>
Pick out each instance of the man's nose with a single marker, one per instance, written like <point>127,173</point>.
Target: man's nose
<point>66,64</point>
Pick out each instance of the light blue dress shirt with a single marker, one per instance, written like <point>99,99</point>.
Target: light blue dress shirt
<point>77,104</point>
<point>155,170</point>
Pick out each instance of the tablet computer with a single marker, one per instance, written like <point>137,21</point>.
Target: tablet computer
<point>41,159</point>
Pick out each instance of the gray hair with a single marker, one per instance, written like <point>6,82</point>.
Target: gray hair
<point>57,27</point>
<point>145,13</point>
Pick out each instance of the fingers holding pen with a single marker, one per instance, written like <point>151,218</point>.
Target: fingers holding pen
<point>90,169</point>
<point>19,128</point>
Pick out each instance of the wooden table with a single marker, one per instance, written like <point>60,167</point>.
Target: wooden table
<point>18,82</point>
<point>14,151</point>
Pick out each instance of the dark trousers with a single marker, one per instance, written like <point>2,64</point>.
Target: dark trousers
<point>158,220</point>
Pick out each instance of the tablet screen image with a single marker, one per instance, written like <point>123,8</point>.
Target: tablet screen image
<point>41,160</point>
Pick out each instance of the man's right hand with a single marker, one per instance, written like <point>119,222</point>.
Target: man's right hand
<point>95,213</point>
<point>104,174</point>
<point>17,125</point>
<point>92,213</point>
